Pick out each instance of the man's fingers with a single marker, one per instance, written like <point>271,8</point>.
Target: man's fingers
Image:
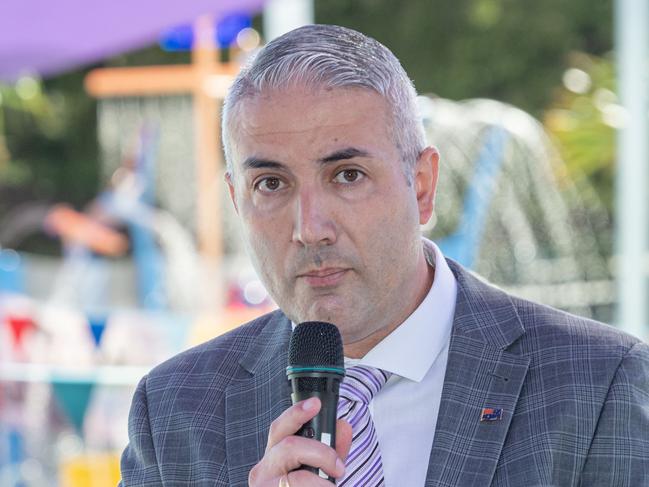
<point>291,420</point>
<point>286,452</point>
<point>343,438</point>
<point>302,478</point>
<point>293,452</point>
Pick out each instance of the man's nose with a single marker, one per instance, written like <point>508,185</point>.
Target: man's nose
<point>314,224</point>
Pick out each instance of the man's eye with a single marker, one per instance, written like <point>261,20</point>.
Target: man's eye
<point>269,184</point>
<point>348,176</point>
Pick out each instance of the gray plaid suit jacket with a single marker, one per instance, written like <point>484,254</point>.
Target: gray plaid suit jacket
<point>574,394</point>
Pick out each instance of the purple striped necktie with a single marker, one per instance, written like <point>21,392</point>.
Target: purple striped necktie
<point>364,467</point>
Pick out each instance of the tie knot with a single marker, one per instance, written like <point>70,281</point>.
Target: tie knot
<point>361,383</point>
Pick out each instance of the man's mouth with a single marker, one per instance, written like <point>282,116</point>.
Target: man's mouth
<point>327,277</point>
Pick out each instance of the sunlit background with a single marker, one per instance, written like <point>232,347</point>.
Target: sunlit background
<point>118,244</point>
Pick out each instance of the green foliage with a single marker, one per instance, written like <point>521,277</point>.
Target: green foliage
<point>50,142</point>
<point>510,50</point>
<point>582,121</point>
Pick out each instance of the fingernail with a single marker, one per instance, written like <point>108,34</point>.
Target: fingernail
<point>309,404</point>
<point>340,466</point>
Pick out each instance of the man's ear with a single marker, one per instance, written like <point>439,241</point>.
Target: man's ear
<point>229,181</point>
<point>425,181</point>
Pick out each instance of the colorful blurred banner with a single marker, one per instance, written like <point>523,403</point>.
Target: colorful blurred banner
<point>73,398</point>
<point>19,326</point>
<point>97,325</point>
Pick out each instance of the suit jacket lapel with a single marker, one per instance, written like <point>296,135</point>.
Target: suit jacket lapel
<point>254,401</point>
<point>480,373</point>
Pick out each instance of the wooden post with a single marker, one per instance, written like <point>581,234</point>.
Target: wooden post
<point>207,80</point>
<point>208,152</point>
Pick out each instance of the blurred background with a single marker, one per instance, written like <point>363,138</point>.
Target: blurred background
<point>118,244</point>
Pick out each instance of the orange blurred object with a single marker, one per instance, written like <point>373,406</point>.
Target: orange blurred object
<point>76,227</point>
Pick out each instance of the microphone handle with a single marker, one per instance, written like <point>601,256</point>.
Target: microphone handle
<point>322,427</point>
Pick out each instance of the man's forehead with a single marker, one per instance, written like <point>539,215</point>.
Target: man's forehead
<point>316,123</point>
<point>315,105</point>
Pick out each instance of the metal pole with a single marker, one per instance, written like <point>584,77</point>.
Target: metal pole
<point>280,16</point>
<point>632,39</point>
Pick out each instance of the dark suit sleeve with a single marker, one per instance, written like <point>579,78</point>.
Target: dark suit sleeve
<point>139,464</point>
<point>619,452</point>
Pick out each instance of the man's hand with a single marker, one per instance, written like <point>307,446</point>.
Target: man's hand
<point>285,452</point>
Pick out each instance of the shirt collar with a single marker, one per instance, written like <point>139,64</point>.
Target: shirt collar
<point>411,349</point>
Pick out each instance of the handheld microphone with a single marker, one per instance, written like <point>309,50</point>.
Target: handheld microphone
<point>315,368</point>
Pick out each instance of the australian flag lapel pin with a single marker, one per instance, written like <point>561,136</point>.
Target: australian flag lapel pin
<point>491,414</point>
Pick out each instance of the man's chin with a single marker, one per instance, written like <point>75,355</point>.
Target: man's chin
<point>329,309</point>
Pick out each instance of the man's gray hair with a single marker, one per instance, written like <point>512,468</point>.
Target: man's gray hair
<point>330,56</point>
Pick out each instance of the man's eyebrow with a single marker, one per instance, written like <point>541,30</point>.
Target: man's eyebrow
<point>258,163</point>
<point>341,155</point>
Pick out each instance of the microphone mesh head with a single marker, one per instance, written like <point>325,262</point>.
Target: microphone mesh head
<point>316,343</point>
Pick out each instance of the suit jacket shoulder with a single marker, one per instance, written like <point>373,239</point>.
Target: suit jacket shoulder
<point>220,354</point>
<point>570,391</point>
<point>489,304</point>
<point>177,424</point>
<point>584,404</point>
<point>559,328</point>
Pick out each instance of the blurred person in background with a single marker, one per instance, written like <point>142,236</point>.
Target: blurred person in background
<point>466,385</point>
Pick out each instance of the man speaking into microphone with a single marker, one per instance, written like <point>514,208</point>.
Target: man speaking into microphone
<point>448,380</point>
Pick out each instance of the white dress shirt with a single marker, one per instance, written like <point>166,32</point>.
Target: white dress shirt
<point>405,410</point>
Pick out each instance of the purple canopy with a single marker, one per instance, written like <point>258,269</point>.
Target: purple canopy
<point>47,37</point>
